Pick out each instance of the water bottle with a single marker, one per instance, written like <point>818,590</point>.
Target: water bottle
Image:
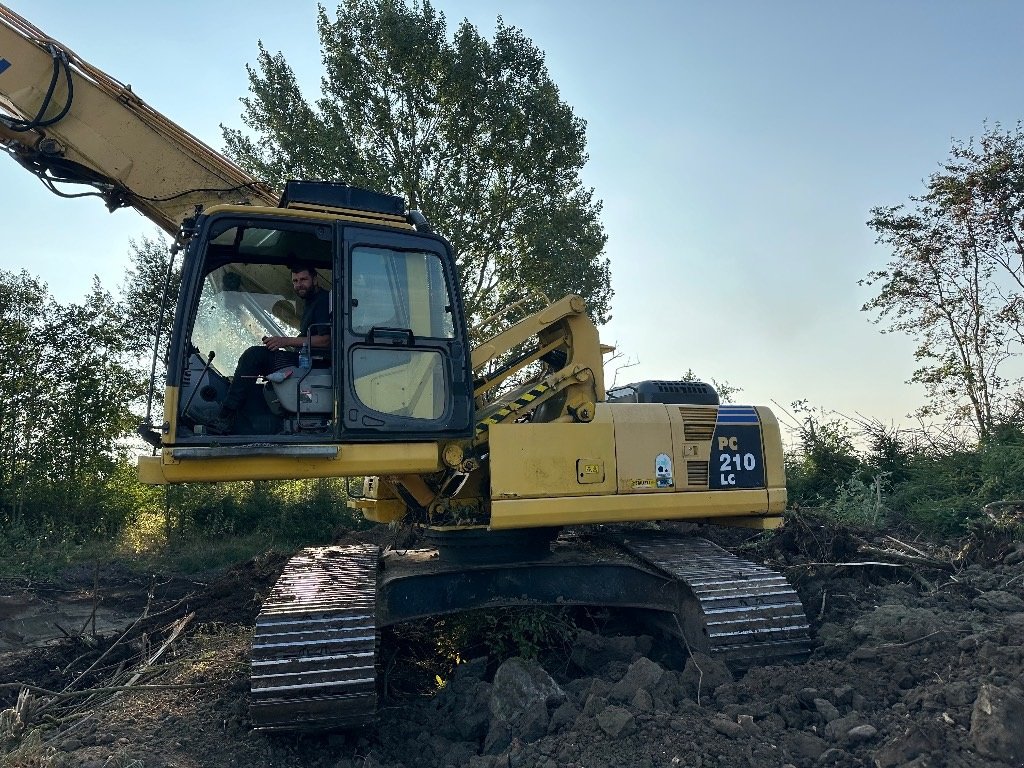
<point>304,362</point>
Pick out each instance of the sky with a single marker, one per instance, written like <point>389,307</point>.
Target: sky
<point>738,148</point>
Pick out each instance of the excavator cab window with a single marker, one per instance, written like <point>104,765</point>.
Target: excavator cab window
<point>243,293</point>
<point>398,363</point>
<point>405,345</point>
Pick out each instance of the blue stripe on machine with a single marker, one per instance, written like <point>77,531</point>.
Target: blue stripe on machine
<point>4,64</point>
<point>737,414</point>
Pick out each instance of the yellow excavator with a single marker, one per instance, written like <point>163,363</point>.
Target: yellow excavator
<point>530,483</point>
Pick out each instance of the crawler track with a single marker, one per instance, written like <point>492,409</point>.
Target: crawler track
<point>751,615</point>
<point>315,647</point>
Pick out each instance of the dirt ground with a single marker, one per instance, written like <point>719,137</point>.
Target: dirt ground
<point>918,661</point>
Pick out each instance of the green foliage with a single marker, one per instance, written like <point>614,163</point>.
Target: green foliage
<point>825,461</point>
<point>946,489</point>
<point>529,632</point>
<point>307,511</point>
<point>859,503</point>
<point>66,393</point>
<point>956,280</point>
<point>469,130</point>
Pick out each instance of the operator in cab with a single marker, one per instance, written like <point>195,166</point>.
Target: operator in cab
<point>276,352</point>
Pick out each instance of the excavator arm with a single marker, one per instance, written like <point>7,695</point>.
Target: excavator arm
<point>59,117</point>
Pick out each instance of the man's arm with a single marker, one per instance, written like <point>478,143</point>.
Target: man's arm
<point>290,342</point>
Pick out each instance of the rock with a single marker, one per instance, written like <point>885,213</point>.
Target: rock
<point>565,715</point>
<point>727,695</point>
<point>969,643</point>
<point>533,724</point>
<point>746,722</point>
<point>826,709</point>
<point>1015,556</point>
<point>996,723</point>
<point>594,705</point>
<point>998,601</point>
<point>898,624</point>
<point>838,729</point>
<point>843,695</point>
<point>727,728</point>
<point>598,688</point>
<point>642,674</point>
<point>468,672</point>
<point>592,653</point>
<point>616,722</point>
<point>831,756</point>
<point>498,738</point>
<point>703,674</point>
<point>804,745</point>
<point>519,684</point>
<point>959,694</point>
<point>807,696</point>
<point>904,749</point>
<point>861,733</point>
<point>642,701</point>
<point>464,705</point>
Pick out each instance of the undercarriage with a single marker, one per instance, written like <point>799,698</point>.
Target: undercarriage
<point>316,643</point>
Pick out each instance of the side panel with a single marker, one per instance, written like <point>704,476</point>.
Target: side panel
<point>654,462</point>
<point>643,445</point>
<point>580,510</point>
<point>287,462</point>
<point>551,460</point>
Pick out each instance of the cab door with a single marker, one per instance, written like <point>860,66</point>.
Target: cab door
<point>405,367</point>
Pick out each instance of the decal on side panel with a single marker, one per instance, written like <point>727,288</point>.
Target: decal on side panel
<point>737,457</point>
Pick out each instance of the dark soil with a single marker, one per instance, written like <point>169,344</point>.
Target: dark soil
<point>918,661</point>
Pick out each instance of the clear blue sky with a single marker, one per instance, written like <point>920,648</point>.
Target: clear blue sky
<point>738,148</point>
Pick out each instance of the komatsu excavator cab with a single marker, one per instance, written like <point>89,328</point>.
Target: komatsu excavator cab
<point>397,367</point>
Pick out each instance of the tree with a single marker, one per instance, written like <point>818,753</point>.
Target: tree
<point>956,280</point>
<point>65,407</point>
<point>471,131</point>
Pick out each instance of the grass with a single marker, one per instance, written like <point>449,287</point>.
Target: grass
<point>142,546</point>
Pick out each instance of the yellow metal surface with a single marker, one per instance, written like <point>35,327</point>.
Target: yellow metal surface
<point>767,523</point>
<point>351,461</point>
<point>538,460</point>
<point>774,461</point>
<point>579,510</point>
<point>777,500</point>
<point>379,510</point>
<point>692,428</point>
<point>114,133</point>
<point>642,433</point>
<point>171,395</point>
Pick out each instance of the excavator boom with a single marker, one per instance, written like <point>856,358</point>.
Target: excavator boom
<point>69,123</point>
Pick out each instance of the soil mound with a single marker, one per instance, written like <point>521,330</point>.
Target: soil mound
<point>919,661</point>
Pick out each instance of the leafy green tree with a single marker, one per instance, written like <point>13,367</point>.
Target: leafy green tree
<point>93,388</point>
<point>152,279</point>
<point>23,303</point>
<point>471,131</point>
<point>66,394</point>
<point>956,280</point>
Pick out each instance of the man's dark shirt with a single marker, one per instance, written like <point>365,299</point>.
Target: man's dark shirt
<point>317,315</point>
